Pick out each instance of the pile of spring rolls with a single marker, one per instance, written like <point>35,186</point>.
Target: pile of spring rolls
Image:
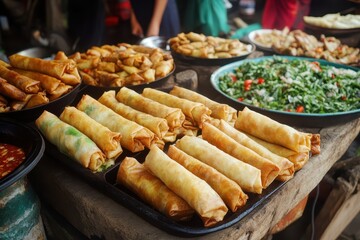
<point>214,158</point>
<point>122,65</point>
<point>27,82</point>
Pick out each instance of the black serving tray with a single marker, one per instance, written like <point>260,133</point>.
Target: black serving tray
<point>106,182</point>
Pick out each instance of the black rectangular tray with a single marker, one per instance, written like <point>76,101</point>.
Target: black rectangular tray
<point>106,182</point>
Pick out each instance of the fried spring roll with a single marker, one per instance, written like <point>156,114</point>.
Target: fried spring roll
<point>173,116</point>
<point>134,137</point>
<point>70,141</point>
<point>247,176</point>
<point>65,70</point>
<point>218,110</point>
<point>269,170</point>
<point>152,190</point>
<point>196,112</point>
<point>195,191</point>
<point>107,140</point>
<point>11,91</point>
<point>36,100</point>
<point>24,83</point>
<point>286,166</point>
<point>270,130</point>
<point>47,82</point>
<point>157,125</point>
<point>230,192</point>
<point>299,159</point>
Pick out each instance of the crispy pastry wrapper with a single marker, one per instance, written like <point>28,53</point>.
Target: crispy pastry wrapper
<point>230,192</point>
<point>11,91</point>
<point>107,140</point>
<point>134,137</point>
<point>196,112</point>
<point>65,70</point>
<point>152,190</point>
<point>299,159</point>
<point>174,116</point>
<point>247,176</point>
<point>47,82</point>
<point>195,191</point>
<point>37,99</point>
<point>24,83</point>
<point>157,125</point>
<point>286,166</point>
<point>270,130</point>
<point>218,110</point>
<point>70,141</point>
<point>269,170</point>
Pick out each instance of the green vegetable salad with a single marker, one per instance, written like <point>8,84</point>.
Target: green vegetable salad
<point>293,85</point>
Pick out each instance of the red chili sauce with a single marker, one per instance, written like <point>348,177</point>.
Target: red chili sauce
<point>10,157</point>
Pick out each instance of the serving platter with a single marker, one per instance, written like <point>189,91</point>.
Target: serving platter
<point>106,182</point>
<point>209,61</point>
<point>97,91</point>
<point>252,37</point>
<point>55,106</point>
<point>309,120</point>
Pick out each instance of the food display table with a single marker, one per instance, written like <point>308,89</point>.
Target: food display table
<point>98,216</point>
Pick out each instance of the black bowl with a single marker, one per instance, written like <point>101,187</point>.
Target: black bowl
<point>56,106</point>
<point>26,137</point>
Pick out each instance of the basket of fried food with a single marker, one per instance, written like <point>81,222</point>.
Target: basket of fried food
<point>208,50</point>
<point>28,85</point>
<point>123,65</point>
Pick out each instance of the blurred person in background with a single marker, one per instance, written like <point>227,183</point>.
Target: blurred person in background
<point>204,16</point>
<point>279,14</point>
<point>154,18</point>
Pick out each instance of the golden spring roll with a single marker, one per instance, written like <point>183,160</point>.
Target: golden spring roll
<point>47,82</point>
<point>136,177</point>
<point>107,140</point>
<point>286,166</point>
<point>157,125</point>
<point>269,170</point>
<point>299,159</point>
<point>70,141</point>
<point>24,83</point>
<point>65,70</point>
<point>18,105</point>
<point>134,137</point>
<point>11,91</point>
<point>195,191</point>
<point>270,130</point>
<point>247,176</point>
<point>218,110</point>
<point>229,191</point>
<point>173,116</point>
<point>196,112</point>
<point>37,99</point>
<point>62,89</point>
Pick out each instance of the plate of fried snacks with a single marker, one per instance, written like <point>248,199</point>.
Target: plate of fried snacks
<point>199,49</point>
<point>264,38</point>
<point>30,85</point>
<point>113,66</point>
<point>304,92</point>
<point>299,43</point>
<point>335,21</point>
<point>157,153</point>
